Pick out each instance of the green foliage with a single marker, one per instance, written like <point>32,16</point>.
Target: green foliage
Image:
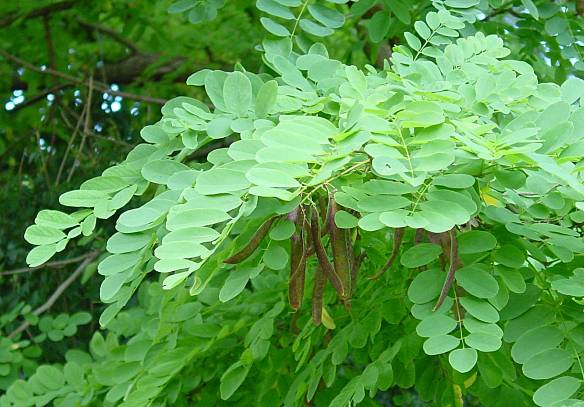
<point>453,153</point>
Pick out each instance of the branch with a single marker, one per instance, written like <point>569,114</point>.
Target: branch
<point>111,33</point>
<point>502,9</point>
<point>49,40</point>
<point>39,12</point>
<point>70,143</point>
<point>203,152</point>
<point>579,7</point>
<point>39,96</point>
<point>86,125</point>
<point>90,133</point>
<point>52,264</point>
<point>57,293</point>
<point>102,87</point>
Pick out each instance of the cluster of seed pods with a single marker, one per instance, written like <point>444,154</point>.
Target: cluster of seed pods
<point>312,225</point>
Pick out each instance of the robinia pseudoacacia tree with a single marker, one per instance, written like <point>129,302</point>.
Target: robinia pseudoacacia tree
<point>416,226</point>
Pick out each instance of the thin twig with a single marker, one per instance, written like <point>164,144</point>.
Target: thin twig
<point>502,9</point>
<point>56,294</point>
<point>39,12</point>
<point>52,264</point>
<point>49,41</point>
<point>43,161</point>
<point>102,87</point>
<point>85,128</point>
<point>20,169</point>
<point>76,116</point>
<point>70,143</point>
<point>38,97</point>
<point>111,33</point>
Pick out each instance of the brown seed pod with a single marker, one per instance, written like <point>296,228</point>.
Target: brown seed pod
<point>253,243</point>
<point>452,255</point>
<point>398,235</point>
<point>442,240</point>
<point>339,247</point>
<point>317,295</point>
<point>321,254</point>
<point>297,263</point>
<point>324,214</point>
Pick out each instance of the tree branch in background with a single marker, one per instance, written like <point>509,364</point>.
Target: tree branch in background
<point>203,152</point>
<point>505,7</point>
<point>36,98</point>
<point>102,87</point>
<point>71,140</point>
<point>49,40</point>
<point>57,293</point>
<point>86,125</point>
<point>52,264</point>
<point>39,12</point>
<point>580,7</point>
<point>111,33</point>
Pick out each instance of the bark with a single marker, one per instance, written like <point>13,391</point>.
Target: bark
<point>39,12</point>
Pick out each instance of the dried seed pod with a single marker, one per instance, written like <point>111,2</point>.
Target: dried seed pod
<point>442,240</point>
<point>452,255</point>
<point>339,247</point>
<point>253,243</point>
<point>297,263</point>
<point>294,214</point>
<point>324,214</point>
<point>322,255</point>
<point>306,227</point>
<point>318,294</point>
<point>398,235</point>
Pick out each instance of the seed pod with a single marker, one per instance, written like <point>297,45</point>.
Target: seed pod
<point>306,227</point>
<point>452,255</point>
<point>317,295</point>
<point>294,214</point>
<point>321,255</point>
<point>442,240</point>
<point>324,213</point>
<point>340,250</point>
<point>297,263</point>
<point>296,281</point>
<point>355,261</point>
<point>253,243</point>
<point>398,235</point>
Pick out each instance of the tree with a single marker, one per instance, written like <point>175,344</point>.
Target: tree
<point>393,222</point>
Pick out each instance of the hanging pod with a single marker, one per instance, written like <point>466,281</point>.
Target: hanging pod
<point>297,260</point>
<point>321,254</point>
<point>339,245</point>
<point>253,243</point>
<point>398,235</point>
<point>450,251</point>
